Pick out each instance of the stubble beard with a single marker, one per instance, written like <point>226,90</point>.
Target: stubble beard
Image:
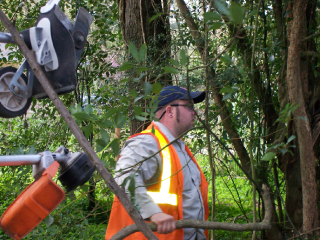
<point>178,120</point>
<point>178,115</point>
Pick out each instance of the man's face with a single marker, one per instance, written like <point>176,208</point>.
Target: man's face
<point>185,114</point>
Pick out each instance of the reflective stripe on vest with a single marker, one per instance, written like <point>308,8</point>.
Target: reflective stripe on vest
<point>163,196</point>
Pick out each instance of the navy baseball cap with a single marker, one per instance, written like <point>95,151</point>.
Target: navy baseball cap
<point>171,93</point>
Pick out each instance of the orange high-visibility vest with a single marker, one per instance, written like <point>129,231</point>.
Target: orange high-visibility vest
<point>166,192</point>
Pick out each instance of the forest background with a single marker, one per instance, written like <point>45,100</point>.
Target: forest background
<point>259,64</point>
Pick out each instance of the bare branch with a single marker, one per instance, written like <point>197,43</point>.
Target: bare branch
<point>264,225</point>
<point>310,53</point>
<point>311,36</point>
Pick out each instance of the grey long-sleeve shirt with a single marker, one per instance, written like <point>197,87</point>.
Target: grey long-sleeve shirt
<point>142,146</point>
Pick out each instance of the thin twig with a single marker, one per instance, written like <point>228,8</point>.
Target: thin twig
<point>217,57</point>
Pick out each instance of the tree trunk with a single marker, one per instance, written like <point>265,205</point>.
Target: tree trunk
<point>136,28</point>
<point>297,77</point>
<point>275,232</point>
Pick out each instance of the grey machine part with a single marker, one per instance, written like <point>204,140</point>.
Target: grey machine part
<point>76,171</point>
<point>58,45</point>
<point>75,168</point>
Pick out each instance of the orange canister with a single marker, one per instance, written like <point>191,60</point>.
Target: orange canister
<point>33,205</point>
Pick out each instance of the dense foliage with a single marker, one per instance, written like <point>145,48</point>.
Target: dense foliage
<point>237,51</point>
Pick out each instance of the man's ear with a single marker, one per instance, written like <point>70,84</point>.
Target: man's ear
<point>169,109</point>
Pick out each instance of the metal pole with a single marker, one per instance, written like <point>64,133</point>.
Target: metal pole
<point>6,38</point>
<point>16,160</point>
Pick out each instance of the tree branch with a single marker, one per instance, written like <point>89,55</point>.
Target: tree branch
<point>310,53</point>
<point>107,177</point>
<point>311,36</point>
<point>265,224</point>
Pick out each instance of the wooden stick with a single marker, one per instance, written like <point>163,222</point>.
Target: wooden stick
<point>107,177</point>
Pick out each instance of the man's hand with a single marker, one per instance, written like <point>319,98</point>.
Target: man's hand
<point>164,222</point>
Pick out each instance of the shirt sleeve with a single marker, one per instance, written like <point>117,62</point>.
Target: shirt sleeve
<point>135,164</point>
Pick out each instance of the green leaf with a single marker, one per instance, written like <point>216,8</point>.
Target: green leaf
<point>31,150</point>
<point>283,151</point>
<point>85,117</point>
<point>126,66</point>
<point>215,26</point>
<point>226,90</point>
<point>142,69</point>
<point>140,118</point>
<point>84,188</point>
<point>131,189</point>
<point>155,16</point>
<point>226,59</point>
<point>79,108</point>
<point>211,16</point>
<point>171,70</point>
<point>115,146</point>
<point>253,13</point>
<point>49,221</point>
<point>222,7</point>
<point>137,110</point>
<point>88,130</point>
<point>303,118</point>
<point>110,112</point>
<point>183,57</point>
<point>134,52</point>
<point>88,109</point>
<point>105,136</point>
<point>147,87</point>
<point>174,62</point>
<point>291,138</point>
<point>105,123</point>
<point>129,182</point>
<point>143,52</point>
<point>156,88</point>
<point>120,121</point>
<point>142,74</point>
<point>100,145</point>
<point>287,13</point>
<point>227,96</point>
<point>126,180</point>
<point>269,156</point>
<point>138,98</point>
<point>236,12</point>
<point>73,109</point>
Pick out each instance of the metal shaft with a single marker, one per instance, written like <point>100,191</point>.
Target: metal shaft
<point>6,38</point>
<point>16,160</point>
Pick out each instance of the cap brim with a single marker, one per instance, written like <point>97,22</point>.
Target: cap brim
<point>196,96</point>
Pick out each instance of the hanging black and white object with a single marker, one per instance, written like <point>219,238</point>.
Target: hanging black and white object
<point>58,44</point>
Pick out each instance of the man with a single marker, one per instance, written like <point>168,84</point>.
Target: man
<point>165,186</point>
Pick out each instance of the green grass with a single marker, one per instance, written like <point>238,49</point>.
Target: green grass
<point>227,205</point>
